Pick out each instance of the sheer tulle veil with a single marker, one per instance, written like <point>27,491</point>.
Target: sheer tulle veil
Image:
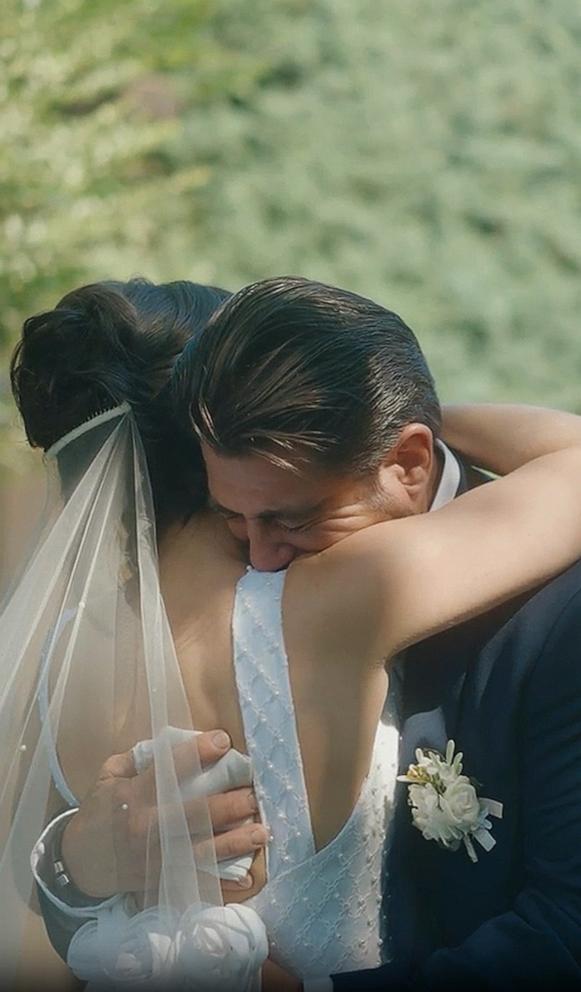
<point>88,669</point>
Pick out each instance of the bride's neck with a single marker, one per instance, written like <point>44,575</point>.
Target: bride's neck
<point>207,531</point>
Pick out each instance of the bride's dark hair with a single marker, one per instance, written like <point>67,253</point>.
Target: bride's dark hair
<point>107,343</point>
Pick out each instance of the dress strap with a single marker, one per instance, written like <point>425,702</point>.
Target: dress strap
<point>268,715</point>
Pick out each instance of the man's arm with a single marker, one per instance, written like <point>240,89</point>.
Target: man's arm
<point>537,944</point>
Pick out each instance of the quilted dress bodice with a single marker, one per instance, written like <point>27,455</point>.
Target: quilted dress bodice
<point>322,909</point>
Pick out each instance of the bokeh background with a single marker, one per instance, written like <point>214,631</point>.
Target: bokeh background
<point>426,153</point>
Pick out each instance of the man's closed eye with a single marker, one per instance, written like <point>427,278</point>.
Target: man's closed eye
<point>295,528</point>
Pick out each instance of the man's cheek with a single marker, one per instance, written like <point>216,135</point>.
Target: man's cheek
<point>238,529</point>
<point>330,534</point>
<point>317,541</point>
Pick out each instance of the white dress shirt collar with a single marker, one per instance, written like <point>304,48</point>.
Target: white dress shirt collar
<point>449,480</point>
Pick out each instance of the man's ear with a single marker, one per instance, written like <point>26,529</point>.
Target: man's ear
<point>411,461</point>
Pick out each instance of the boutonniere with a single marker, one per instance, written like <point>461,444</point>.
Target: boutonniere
<point>445,805</point>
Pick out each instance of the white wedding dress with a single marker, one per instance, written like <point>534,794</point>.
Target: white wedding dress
<point>322,909</point>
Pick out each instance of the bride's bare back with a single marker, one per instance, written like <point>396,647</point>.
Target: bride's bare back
<point>337,706</point>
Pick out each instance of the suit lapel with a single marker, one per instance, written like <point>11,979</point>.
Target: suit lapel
<point>427,712</point>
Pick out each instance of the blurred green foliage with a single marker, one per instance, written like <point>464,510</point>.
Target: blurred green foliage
<point>426,153</point>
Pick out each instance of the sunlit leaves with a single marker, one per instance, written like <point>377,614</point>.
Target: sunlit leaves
<point>424,152</point>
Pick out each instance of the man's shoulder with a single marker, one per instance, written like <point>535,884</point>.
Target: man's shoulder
<point>526,651</point>
<point>551,599</point>
<point>532,616</point>
<point>537,632</point>
<point>548,625</point>
<point>521,626</point>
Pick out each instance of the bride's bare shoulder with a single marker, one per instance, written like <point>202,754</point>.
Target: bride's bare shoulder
<point>323,612</point>
<point>196,558</point>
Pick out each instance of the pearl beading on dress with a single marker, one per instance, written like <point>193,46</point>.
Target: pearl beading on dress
<point>269,719</point>
<point>322,909</point>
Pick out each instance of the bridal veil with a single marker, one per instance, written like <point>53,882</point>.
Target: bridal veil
<point>88,669</point>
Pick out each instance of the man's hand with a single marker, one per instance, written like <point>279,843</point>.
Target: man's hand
<point>111,844</point>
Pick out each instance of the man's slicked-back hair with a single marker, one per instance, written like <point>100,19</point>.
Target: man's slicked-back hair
<point>288,368</point>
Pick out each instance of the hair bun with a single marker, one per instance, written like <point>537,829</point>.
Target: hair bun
<point>75,360</point>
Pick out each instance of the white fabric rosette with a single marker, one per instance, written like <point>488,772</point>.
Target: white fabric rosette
<point>222,948</point>
<point>116,947</point>
<point>210,949</point>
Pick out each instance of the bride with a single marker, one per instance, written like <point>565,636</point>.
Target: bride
<point>90,380</point>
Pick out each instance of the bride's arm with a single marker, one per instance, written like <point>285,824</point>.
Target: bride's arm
<point>503,437</point>
<point>398,582</point>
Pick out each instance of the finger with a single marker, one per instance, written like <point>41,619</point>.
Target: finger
<point>118,766</point>
<point>202,750</point>
<point>243,840</point>
<point>188,757</point>
<point>212,746</point>
<point>141,866</point>
<point>229,885</point>
<point>227,808</point>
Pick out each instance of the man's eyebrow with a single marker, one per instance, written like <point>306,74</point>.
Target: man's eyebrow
<point>215,505</point>
<point>282,513</point>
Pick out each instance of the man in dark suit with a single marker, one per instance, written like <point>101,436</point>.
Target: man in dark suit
<point>506,688</point>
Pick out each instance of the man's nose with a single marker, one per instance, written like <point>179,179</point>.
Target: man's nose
<point>266,553</point>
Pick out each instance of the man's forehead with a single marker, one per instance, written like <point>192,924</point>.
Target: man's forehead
<point>256,472</point>
<point>254,486</point>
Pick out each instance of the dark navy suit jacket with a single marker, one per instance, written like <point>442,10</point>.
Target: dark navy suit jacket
<point>507,689</point>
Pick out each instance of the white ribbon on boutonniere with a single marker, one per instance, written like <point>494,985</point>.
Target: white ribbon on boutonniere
<point>445,805</point>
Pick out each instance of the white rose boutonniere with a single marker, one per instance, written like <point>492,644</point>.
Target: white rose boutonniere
<point>445,805</point>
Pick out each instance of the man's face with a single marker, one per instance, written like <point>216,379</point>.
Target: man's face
<point>281,514</point>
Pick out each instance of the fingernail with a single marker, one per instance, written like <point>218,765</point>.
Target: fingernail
<point>221,740</point>
<point>252,804</point>
<point>246,882</point>
<point>258,836</point>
